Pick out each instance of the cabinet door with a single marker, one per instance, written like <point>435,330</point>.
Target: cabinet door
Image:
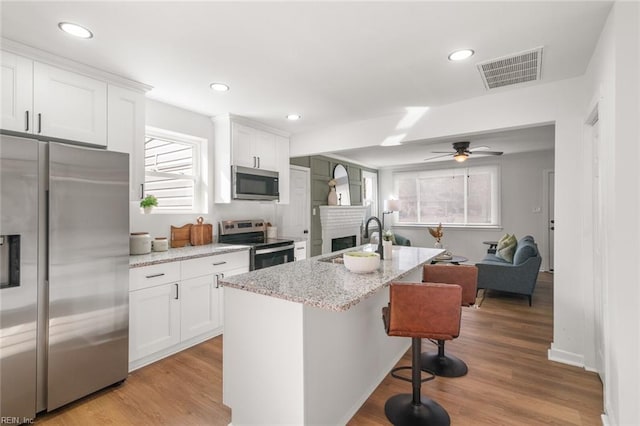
<point>154,322</point>
<point>69,106</point>
<point>200,300</point>
<point>17,93</point>
<point>242,138</point>
<point>125,132</point>
<point>300,250</point>
<point>284,169</point>
<point>265,150</point>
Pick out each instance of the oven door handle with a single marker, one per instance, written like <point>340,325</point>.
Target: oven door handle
<point>275,249</point>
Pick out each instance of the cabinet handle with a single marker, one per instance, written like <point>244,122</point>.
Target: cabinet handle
<point>141,191</point>
<point>299,248</point>
<point>155,275</point>
<point>258,162</point>
<point>26,121</point>
<point>219,263</point>
<point>177,291</point>
<point>39,123</point>
<point>215,281</point>
<point>254,162</point>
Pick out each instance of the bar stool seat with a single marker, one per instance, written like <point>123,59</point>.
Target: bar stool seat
<point>420,311</point>
<point>441,363</point>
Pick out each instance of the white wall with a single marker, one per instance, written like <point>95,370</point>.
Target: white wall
<point>172,118</point>
<point>611,81</point>
<point>522,178</point>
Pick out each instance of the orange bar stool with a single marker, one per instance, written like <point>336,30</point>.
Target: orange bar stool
<point>420,311</point>
<point>465,276</point>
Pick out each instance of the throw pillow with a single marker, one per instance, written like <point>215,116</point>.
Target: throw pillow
<point>507,247</point>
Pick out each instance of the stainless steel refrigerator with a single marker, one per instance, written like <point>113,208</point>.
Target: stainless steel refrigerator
<point>64,278</point>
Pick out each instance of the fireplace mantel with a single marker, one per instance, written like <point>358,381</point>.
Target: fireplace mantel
<point>340,221</point>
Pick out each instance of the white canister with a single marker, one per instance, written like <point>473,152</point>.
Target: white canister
<point>139,243</point>
<point>272,232</point>
<point>387,249</point>
<point>160,244</point>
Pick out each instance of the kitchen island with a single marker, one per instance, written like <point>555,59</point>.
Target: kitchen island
<point>304,341</point>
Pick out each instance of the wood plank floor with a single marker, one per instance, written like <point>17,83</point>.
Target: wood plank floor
<point>504,343</point>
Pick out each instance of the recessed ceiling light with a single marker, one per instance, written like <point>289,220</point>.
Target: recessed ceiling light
<point>460,55</point>
<point>219,87</point>
<point>294,117</point>
<point>75,30</point>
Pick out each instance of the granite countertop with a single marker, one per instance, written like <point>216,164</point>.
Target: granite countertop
<point>328,285</point>
<point>183,253</point>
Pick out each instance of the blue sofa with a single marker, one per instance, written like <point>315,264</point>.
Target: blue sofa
<point>518,277</point>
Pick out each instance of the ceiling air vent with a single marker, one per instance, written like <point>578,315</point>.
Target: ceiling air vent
<point>512,69</point>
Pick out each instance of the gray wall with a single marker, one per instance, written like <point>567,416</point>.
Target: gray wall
<point>321,173</point>
<point>522,192</point>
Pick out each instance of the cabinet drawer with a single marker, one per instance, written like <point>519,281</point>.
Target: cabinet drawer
<point>214,264</point>
<point>149,276</point>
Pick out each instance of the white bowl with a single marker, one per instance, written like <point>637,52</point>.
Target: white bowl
<point>361,262</point>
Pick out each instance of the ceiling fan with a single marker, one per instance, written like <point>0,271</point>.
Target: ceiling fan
<point>462,152</point>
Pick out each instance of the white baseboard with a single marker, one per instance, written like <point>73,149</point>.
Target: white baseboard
<point>565,357</point>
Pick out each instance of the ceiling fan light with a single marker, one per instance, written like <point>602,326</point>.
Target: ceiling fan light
<point>460,156</point>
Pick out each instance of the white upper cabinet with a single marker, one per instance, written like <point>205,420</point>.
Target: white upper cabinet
<point>253,148</point>
<point>17,93</point>
<point>241,142</point>
<point>40,96</point>
<point>70,106</point>
<point>125,132</point>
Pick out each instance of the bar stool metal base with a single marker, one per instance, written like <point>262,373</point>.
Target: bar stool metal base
<point>443,365</point>
<point>401,410</point>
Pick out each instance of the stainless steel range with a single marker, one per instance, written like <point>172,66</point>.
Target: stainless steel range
<point>265,251</point>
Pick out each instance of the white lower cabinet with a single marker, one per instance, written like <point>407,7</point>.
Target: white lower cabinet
<point>154,320</point>
<point>300,250</point>
<point>200,306</point>
<point>175,305</point>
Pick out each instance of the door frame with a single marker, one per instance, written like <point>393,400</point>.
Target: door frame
<point>546,208</point>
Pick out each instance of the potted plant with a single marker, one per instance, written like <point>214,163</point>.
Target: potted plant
<point>148,203</point>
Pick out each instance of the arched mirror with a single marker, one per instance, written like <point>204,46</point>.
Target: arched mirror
<point>341,177</point>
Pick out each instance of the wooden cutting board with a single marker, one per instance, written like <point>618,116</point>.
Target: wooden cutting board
<point>201,233</point>
<point>181,236</point>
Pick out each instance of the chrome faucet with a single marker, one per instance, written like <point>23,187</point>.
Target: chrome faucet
<point>366,234</point>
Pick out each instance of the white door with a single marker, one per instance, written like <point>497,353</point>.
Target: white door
<point>552,222</point>
<point>294,218</point>
<point>69,106</point>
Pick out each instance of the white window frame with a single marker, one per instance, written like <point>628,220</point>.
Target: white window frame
<point>374,199</point>
<point>199,168</point>
<point>493,169</point>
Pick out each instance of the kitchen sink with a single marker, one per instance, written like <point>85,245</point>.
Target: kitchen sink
<point>336,258</point>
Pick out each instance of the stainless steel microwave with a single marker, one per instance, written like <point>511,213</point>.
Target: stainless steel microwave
<point>254,184</point>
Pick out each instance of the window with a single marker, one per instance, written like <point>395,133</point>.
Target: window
<point>460,196</point>
<point>173,170</point>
